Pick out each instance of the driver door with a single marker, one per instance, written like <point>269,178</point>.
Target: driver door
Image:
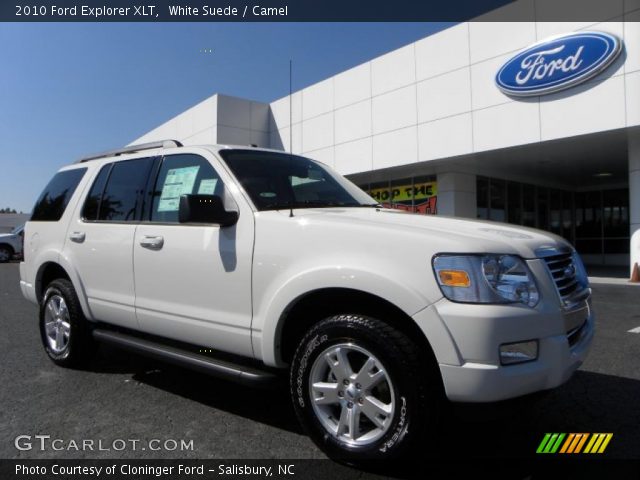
<point>193,281</point>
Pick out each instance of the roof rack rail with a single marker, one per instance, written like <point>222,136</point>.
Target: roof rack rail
<point>132,149</point>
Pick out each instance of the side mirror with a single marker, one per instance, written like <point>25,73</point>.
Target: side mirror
<point>205,209</point>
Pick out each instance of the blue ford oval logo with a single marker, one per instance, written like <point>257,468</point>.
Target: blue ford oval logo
<point>558,63</point>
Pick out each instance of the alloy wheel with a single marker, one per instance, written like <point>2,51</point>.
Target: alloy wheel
<point>352,394</point>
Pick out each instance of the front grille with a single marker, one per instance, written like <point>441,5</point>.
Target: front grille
<point>571,287</point>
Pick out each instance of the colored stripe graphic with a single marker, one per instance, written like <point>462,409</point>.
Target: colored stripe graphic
<point>550,443</point>
<point>543,443</point>
<point>574,443</point>
<point>567,443</point>
<point>598,442</point>
<point>591,442</point>
<point>556,445</point>
<point>606,442</point>
<point>581,442</point>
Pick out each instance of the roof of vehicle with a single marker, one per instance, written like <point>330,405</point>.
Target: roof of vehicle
<point>164,144</point>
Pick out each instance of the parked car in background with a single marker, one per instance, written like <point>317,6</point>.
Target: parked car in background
<point>11,244</point>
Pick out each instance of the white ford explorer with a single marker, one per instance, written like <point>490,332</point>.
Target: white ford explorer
<point>243,262</point>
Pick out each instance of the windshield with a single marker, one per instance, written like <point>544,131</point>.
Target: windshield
<point>278,180</point>
<point>17,230</point>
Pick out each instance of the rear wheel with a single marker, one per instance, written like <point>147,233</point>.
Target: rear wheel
<point>362,389</point>
<point>64,330</point>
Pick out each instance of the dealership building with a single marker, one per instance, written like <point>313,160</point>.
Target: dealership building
<point>481,120</point>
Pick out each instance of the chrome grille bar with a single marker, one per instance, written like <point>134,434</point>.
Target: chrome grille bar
<point>570,287</point>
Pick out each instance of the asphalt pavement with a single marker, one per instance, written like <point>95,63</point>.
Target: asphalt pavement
<point>126,397</point>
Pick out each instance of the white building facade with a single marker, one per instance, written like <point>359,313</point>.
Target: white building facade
<point>425,128</point>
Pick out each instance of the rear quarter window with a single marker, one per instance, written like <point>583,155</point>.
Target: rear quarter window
<point>55,197</point>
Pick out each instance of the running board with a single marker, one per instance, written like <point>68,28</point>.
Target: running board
<point>217,368</point>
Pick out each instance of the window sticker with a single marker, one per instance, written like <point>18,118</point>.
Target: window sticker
<point>207,186</point>
<point>179,181</point>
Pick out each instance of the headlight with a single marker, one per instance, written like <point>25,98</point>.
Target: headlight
<point>485,279</point>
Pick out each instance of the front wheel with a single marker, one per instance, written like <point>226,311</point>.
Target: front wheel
<point>362,389</point>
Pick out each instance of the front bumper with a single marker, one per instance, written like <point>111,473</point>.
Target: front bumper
<point>477,331</point>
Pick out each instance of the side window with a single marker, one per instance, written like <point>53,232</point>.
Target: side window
<point>91,208</point>
<point>122,197</point>
<point>181,175</point>
<point>54,199</point>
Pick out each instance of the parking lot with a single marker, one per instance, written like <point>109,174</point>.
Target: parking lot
<point>124,396</point>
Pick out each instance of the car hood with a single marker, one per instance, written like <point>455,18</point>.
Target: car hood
<point>474,235</point>
<point>7,236</point>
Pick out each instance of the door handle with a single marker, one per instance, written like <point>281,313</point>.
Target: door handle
<point>152,243</point>
<point>77,237</point>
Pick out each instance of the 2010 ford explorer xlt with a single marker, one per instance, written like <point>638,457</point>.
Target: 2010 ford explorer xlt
<point>270,261</point>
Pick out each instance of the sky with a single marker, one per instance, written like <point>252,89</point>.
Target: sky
<point>68,90</point>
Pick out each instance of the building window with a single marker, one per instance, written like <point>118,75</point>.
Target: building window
<point>482,197</point>
<point>498,200</point>
<point>615,214</point>
<point>542,208</point>
<point>596,222</point>
<point>567,215</point>
<point>514,203</point>
<point>528,205</point>
<point>380,192</point>
<point>555,211</point>
<point>415,194</point>
<point>425,195</point>
<point>402,194</point>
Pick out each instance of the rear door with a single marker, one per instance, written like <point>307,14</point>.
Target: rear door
<point>193,281</point>
<point>100,240</point>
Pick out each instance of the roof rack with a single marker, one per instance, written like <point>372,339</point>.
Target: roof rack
<point>132,149</point>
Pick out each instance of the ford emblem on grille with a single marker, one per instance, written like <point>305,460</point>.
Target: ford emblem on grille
<point>558,63</point>
<point>570,271</point>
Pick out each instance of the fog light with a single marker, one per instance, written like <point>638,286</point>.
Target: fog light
<point>520,352</point>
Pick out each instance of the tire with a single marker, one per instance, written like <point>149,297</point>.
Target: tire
<point>64,330</point>
<point>6,254</point>
<point>344,356</point>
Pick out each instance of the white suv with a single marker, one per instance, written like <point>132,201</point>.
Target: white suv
<point>243,262</point>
